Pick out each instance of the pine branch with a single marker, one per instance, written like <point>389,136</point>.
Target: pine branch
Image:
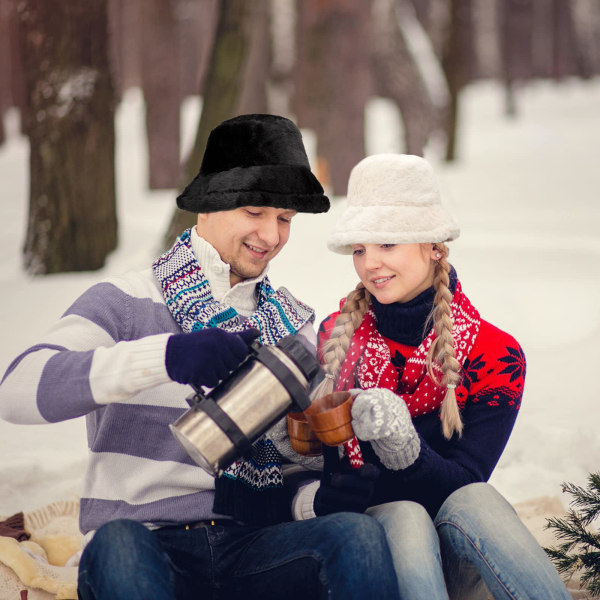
<point>572,530</point>
<point>579,550</point>
<point>587,500</point>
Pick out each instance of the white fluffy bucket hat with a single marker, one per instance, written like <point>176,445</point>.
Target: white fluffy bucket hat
<point>392,199</point>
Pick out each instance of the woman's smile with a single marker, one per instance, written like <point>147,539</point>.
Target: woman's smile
<point>381,282</point>
<point>394,272</point>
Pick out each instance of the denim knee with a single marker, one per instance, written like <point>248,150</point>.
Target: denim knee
<point>478,526</point>
<point>473,501</point>
<point>352,528</point>
<point>356,557</point>
<point>118,539</point>
<point>355,535</point>
<point>397,516</point>
<point>124,560</point>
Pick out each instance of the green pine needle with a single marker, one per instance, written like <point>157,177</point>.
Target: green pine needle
<point>579,548</point>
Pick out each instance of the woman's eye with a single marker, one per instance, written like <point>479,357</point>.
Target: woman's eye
<point>357,251</point>
<point>253,213</point>
<point>387,245</point>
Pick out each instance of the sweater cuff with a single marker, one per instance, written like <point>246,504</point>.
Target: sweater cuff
<point>127,368</point>
<point>303,502</point>
<point>148,367</point>
<point>397,456</point>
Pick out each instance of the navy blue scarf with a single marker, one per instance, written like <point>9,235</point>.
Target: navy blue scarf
<point>406,323</point>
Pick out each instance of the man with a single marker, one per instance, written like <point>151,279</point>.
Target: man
<point>156,525</point>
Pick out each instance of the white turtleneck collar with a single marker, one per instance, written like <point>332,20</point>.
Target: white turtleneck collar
<point>242,296</point>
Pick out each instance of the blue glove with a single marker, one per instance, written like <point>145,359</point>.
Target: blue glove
<point>205,357</point>
<point>344,489</point>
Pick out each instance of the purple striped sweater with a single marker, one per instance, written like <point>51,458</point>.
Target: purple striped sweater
<point>105,359</point>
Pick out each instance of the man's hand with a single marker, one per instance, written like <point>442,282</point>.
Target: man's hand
<point>205,357</point>
<point>342,487</point>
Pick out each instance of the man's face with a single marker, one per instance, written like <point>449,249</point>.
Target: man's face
<point>246,238</point>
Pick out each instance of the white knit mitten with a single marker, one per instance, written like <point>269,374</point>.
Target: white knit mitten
<point>381,417</point>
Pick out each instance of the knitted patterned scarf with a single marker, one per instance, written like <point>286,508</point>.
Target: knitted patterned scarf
<point>188,296</point>
<point>251,489</point>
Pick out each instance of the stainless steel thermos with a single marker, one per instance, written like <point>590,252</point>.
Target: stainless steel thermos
<point>221,425</point>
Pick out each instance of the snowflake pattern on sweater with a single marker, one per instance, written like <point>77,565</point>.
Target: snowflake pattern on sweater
<point>489,397</point>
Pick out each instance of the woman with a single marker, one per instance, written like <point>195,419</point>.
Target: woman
<point>437,391</point>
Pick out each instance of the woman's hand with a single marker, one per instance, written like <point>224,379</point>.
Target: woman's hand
<point>381,417</point>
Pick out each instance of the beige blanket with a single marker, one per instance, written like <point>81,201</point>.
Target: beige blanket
<point>46,564</point>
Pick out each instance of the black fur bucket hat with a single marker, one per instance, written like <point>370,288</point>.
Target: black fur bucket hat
<point>254,160</point>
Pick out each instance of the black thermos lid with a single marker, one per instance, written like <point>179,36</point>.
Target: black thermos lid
<point>302,357</point>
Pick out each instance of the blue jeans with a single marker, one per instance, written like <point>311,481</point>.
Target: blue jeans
<point>344,555</point>
<point>475,547</point>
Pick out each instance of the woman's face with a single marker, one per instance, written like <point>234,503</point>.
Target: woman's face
<point>395,272</point>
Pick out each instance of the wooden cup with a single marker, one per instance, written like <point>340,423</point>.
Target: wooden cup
<point>331,419</point>
<point>302,437</point>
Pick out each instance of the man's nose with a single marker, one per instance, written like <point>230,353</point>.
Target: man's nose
<point>269,232</point>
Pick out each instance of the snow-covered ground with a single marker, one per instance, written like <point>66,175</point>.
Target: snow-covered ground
<point>526,193</point>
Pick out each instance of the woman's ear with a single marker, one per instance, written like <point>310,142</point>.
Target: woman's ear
<point>434,252</point>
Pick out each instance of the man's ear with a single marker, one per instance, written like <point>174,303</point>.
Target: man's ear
<point>201,222</point>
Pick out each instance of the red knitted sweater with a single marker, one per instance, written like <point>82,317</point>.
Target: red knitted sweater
<point>489,396</point>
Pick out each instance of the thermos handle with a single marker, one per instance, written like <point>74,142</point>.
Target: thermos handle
<point>296,391</point>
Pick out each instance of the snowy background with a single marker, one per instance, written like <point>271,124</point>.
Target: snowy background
<point>526,192</point>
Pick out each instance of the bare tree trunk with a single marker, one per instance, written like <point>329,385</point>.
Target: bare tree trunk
<point>253,97</point>
<point>162,93</point>
<point>5,66</point>
<point>458,64</point>
<point>125,18</point>
<point>566,57</point>
<point>222,91</point>
<point>487,38</point>
<point>542,39</point>
<point>408,72</point>
<point>516,32</point>
<point>586,23</point>
<point>116,37</point>
<point>283,56</point>
<point>197,26</point>
<point>333,82</point>
<point>557,49</point>
<point>434,16</point>
<point>12,85</point>
<point>72,206</point>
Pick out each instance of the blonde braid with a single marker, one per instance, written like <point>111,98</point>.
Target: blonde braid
<point>442,349</point>
<point>335,348</point>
